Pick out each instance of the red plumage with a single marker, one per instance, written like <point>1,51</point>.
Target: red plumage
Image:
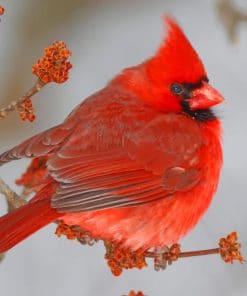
<point>19,224</point>
<point>137,163</point>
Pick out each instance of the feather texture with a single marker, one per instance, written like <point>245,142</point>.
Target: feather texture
<point>129,164</point>
<point>24,221</point>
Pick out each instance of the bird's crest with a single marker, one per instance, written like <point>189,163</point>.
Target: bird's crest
<point>176,59</point>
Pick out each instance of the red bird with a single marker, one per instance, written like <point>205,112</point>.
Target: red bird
<point>136,163</point>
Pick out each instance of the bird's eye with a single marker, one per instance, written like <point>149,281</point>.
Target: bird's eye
<point>177,89</point>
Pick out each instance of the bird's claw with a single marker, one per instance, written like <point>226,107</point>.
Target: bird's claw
<point>165,256</point>
<point>85,239</point>
<point>160,260</point>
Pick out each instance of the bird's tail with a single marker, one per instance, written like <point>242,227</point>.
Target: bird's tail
<point>22,222</point>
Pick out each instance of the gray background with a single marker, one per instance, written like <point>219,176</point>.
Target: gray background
<point>106,36</point>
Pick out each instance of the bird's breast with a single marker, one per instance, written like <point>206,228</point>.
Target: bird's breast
<point>167,220</point>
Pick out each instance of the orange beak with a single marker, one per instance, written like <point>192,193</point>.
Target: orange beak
<point>205,97</point>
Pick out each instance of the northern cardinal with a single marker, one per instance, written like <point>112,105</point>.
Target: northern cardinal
<point>136,163</point>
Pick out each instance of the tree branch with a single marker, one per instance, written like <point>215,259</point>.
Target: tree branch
<point>14,201</point>
<point>230,15</point>
<point>18,104</point>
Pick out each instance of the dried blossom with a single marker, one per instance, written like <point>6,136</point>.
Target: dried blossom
<point>173,253</point>
<point>133,293</point>
<point>164,256</point>
<point>35,175</point>
<point>23,104</point>
<point>119,258</point>
<point>26,110</point>
<point>75,232</point>
<point>230,248</point>
<point>53,66</point>
<point>64,229</point>
<point>14,201</point>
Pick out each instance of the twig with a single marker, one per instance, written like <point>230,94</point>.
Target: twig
<point>17,104</point>
<point>200,253</point>
<point>229,251</point>
<point>13,199</point>
<point>189,253</point>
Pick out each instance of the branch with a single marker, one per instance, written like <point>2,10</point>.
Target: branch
<point>14,201</point>
<point>229,250</point>
<point>119,258</point>
<point>18,105</point>
<point>230,16</point>
<point>52,67</point>
<point>199,253</point>
<point>189,253</point>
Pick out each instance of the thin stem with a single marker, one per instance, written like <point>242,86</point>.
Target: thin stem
<point>2,256</point>
<point>199,253</point>
<point>13,199</point>
<point>14,105</point>
<point>189,253</point>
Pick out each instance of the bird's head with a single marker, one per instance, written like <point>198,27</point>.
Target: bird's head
<point>174,79</point>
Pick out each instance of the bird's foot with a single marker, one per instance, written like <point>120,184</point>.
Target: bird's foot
<point>164,256</point>
<point>160,260</point>
<point>75,232</point>
<point>85,238</point>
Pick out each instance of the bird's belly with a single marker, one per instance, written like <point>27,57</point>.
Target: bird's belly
<point>158,223</point>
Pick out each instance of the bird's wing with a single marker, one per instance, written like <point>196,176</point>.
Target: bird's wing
<point>127,168</point>
<point>43,143</point>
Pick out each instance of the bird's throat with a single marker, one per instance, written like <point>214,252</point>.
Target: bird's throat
<point>200,115</point>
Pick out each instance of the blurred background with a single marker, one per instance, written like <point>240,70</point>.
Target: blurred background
<point>106,36</point>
